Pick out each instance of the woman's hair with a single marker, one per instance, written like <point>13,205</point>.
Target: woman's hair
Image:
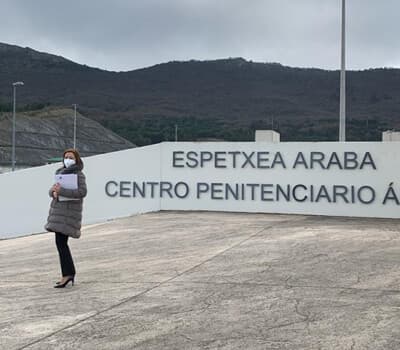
<point>78,158</point>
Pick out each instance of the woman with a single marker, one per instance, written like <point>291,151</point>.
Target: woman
<point>65,214</point>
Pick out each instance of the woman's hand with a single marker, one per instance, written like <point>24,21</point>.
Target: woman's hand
<point>56,189</point>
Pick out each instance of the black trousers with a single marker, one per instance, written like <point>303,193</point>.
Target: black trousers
<point>66,262</point>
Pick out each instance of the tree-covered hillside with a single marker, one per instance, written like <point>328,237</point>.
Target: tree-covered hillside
<point>222,99</point>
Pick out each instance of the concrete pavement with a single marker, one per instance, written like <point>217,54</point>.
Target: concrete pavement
<point>205,280</point>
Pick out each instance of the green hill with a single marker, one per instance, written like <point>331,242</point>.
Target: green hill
<point>222,99</point>
<point>46,133</point>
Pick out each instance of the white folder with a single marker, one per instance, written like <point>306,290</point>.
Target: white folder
<point>69,182</point>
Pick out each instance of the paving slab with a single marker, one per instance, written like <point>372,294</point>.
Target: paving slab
<point>206,280</point>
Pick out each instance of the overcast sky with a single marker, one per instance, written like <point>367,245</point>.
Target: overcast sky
<point>129,34</point>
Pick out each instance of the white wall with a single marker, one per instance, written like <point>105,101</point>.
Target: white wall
<point>390,136</point>
<point>267,136</point>
<point>24,201</point>
<point>385,155</point>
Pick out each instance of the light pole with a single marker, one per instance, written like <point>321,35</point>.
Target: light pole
<point>17,83</point>
<point>342,116</point>
<point>74,125</point>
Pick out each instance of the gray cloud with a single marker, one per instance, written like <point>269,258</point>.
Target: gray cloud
<point>129,34</point>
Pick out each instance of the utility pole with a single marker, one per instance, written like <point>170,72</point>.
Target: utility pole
<point>18,83</point>
<point>176,132</point>
<point>74,125</point>
<point>342,116</point>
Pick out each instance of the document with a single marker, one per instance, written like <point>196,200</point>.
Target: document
<point>68,181</point>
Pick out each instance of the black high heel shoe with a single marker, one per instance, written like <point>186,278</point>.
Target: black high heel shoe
<point>63,285</point>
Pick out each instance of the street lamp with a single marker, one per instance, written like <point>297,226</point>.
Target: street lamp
<point>17,83</point>
<point>74,125</point>
<point>342,116</point>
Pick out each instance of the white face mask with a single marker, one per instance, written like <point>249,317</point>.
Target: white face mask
<point>68,162</point>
